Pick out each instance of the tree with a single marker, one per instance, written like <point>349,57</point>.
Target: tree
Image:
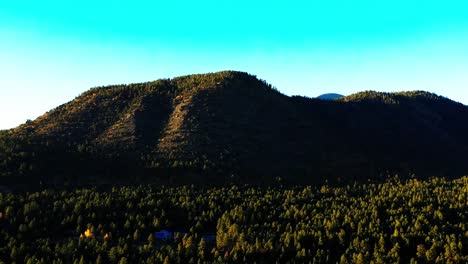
<point>202,248</point>
<point>420,251</point>
<point>136,235</point>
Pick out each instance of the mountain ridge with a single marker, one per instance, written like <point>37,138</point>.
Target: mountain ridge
<point>231,126</point>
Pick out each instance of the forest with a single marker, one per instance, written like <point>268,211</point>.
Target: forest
<point>397,221</point>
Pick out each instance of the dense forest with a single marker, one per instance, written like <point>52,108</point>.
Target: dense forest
<point>409,221</point>
<point>231,127</point>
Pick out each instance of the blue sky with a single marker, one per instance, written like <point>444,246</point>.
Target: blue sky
<point>51,51</point>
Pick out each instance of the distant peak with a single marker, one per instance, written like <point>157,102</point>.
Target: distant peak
<point>330,96</point>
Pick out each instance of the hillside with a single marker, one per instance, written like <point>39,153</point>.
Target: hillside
<point>231,126</point>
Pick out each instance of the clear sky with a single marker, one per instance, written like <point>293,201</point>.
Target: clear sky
<point>51,51</point>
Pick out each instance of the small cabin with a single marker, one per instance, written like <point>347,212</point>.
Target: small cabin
<point>164,235</point>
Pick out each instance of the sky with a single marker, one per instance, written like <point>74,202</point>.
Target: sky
<point>52,51</point>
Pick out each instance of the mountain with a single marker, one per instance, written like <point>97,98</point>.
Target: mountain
<point>330,96</point>
<point>232,127</point>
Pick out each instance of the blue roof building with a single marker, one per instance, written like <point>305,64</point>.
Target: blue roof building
<point>164,235</point>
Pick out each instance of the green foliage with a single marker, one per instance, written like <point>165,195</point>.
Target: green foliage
<point>411,221</point>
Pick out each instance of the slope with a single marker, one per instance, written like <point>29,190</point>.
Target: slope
<point>232,127</point>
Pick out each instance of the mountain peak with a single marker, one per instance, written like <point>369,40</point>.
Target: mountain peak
<point>330,96</point>
<point>232,124</point>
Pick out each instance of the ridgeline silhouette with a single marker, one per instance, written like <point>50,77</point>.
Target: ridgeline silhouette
<point>232,127</point>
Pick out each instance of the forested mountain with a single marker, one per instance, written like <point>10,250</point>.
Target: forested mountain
<point>231,126</point>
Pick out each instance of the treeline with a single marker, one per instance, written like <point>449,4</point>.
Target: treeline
<point>393,222</point>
